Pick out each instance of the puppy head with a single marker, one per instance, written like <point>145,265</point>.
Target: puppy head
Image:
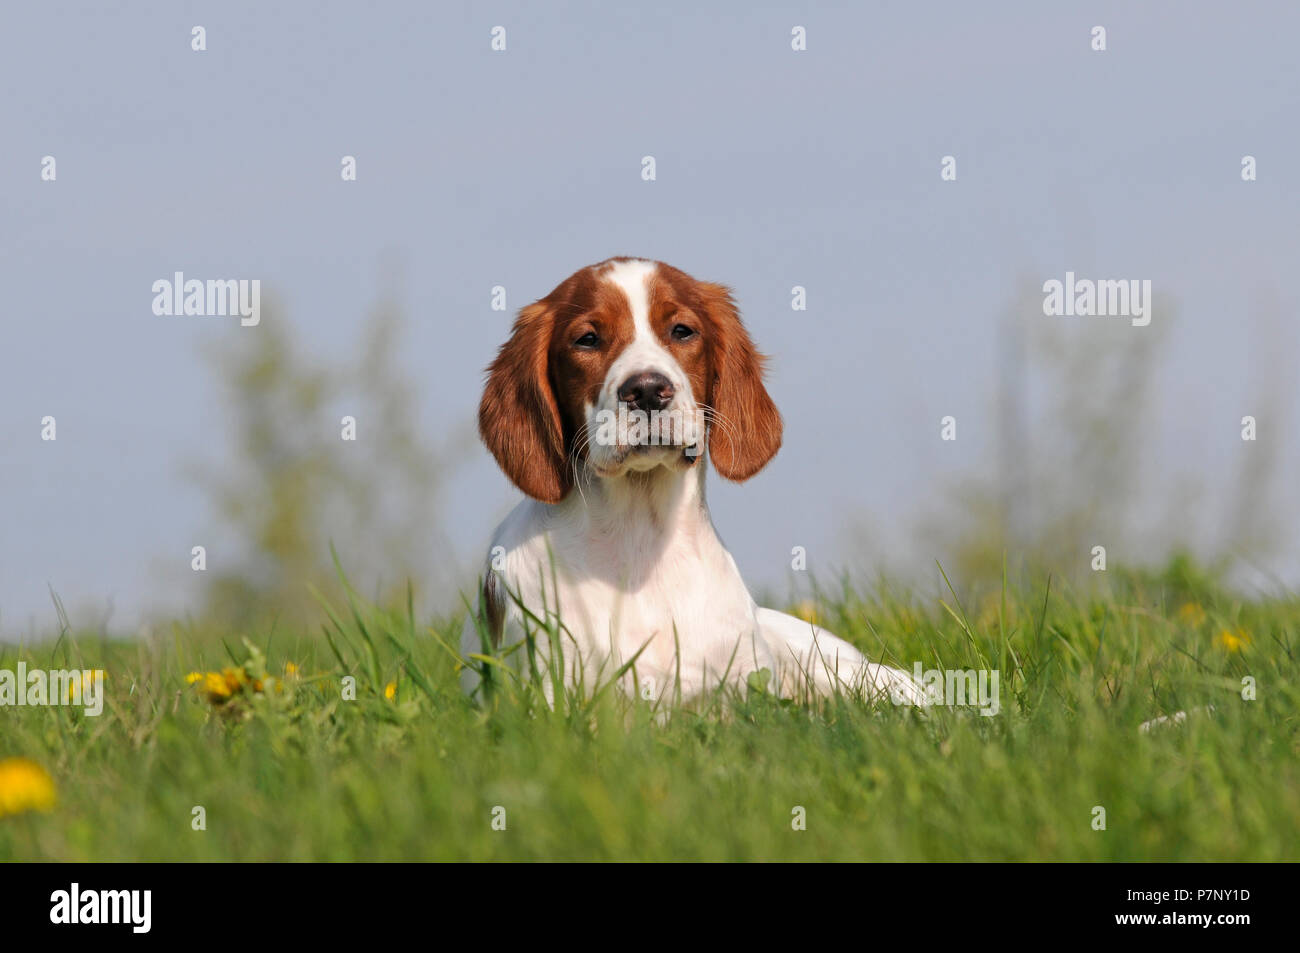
<point>627,365</point>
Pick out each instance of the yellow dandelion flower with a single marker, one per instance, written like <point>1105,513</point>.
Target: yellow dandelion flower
<point>1191,614</point>
<point>193,677</point>
<point>87,683</point>
<point>217,686</point>
<point>235,678</point>
<point>805,610</point>
<point>1233,641</point>
<point>24,786</point>
<point>390,691</point>
<point>290,668</point>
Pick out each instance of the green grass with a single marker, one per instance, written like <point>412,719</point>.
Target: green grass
<point>305,775</point>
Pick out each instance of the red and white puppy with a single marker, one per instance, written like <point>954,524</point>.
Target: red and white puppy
<point>601,407</point>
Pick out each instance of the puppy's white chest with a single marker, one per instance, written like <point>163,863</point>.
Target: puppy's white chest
<point>688,614</point>
<point>674,601</point>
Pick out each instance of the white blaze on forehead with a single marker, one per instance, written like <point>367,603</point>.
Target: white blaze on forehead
<point>633,279</point>
<point>645,352</point>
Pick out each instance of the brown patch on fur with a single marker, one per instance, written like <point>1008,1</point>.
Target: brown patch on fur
<point>531,416</point>
<point>675,299</point>
<point>518,418</point>
<point>747,433</point>
<point>587,303</point>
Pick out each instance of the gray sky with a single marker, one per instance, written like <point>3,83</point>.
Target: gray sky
<point>475,168</point>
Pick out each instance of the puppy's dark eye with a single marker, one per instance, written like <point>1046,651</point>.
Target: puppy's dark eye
<point>682,333</point>
<point>588,340</point>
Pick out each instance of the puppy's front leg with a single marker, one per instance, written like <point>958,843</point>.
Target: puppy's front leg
<point>810,656</point>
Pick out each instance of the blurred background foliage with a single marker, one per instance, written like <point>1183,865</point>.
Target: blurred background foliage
<point>1074,413</point>
<point>289,486</point>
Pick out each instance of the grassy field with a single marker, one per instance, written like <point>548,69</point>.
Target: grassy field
<point>411,770</point>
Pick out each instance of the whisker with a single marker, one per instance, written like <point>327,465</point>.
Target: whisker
<point>728,427</point>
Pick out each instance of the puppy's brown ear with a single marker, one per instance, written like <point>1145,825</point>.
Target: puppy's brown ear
<point>519,418</point>
<point>745,426</point>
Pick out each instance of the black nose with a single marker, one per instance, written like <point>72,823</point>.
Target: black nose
<point>646,391</point>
